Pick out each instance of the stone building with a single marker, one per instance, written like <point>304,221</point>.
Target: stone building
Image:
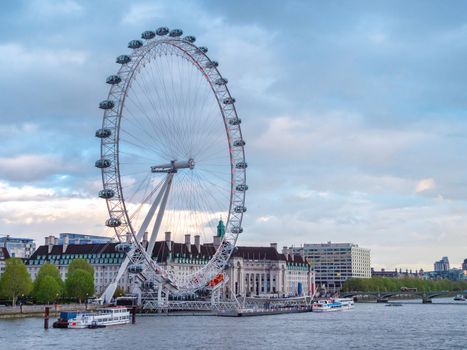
<point>252,271</point>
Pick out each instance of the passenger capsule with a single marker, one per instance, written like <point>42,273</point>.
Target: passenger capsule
<point>175,33</point>
<point>236,229</point>
<point>123,247</point>
<point>148,34</point>
<point>103,133</point>
<point>203,49</point>
<point>106,193</point>
<point>103,163</point>
<point>123,59</point>
<point>190,38</point>
<point>240,209</point>
<point>135,268</point>
<point>239,143</point>
<point>212,64</point>
<point>228,101</point>
<point>241,187</point>
<point>113,79</point>
<point>106,104</point>
<point>221,81</point>
<point>162,31</point>
<point>235,121</point>
<point>135,44</point>
<point>241,165</point>
<point>113,222</point>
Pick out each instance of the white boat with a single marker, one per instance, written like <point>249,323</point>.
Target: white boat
<point>326,305</point>
<point>459,297</point>
<point>347,303</point>
<point>104,317</point>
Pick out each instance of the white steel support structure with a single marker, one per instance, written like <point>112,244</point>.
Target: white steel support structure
<point>147,111</point>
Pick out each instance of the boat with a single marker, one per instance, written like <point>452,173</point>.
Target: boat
<point>104,317</point>
<point>327,305</point>
<point>459,297</point>
<point>347,303</point>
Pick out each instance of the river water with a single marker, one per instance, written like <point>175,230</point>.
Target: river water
<point>368,326</point>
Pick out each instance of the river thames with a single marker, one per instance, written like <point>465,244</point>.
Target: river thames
<point>368,326</point>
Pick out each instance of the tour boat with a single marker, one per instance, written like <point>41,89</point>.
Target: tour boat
<point>101,318</point>
<point>347,303</point>
<point>459,297</point>
<point>327,305</point>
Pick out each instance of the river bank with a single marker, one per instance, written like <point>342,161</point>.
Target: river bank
<point>23,311</point>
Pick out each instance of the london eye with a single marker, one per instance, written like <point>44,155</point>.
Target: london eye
<point>172,158</point>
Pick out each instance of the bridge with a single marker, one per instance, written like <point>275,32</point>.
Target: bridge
<point>383,297</point>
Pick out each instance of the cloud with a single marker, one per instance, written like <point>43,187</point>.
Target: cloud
<point>15,56</point>
<point>425,185</point>
<point>29,167</point>
<point>142,13</point>
<point>47,9</point>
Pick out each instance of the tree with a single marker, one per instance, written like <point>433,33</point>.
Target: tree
<point>15,281</point>
<point>80,264</point>
<point>48,290</point>
<point>40,292</point>
<point>119,292</point>
<point>79,284</point>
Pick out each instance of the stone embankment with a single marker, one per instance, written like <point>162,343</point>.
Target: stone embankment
<point>38,310</point>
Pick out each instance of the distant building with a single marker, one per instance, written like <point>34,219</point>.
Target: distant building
<point>3,256</point>
<point>334,263</point>
<point>18,247</point>
<point>442,265</point>
<point>397,274</point>
<point>78,238</point>
<point>464,266</point>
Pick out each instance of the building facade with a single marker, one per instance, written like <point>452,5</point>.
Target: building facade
<point>442,265</point>
<point>3,256</point>
<point>18,247</point>
<point>252,270</point>
<point>334,263</point>
<point>78,238</point>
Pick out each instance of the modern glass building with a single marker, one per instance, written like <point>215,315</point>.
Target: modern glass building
<point>79,238</point>
<point>18,247</point>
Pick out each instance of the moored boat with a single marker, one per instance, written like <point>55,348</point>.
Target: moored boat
<point>99,319</point>
<point>327,305</point>
<point>459,297</point>
<point>347,303</point>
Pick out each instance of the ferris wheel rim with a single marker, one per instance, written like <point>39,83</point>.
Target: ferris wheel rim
<point>117,209</point>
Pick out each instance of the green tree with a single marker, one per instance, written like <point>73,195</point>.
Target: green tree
<point>48,290</point>
<point>15,280</point>
<point>81,264</point>
<point>40,292</point>
<point>79,284</point>
<point>119,292</point>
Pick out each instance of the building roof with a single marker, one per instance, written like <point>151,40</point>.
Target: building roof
<point>162,252</point>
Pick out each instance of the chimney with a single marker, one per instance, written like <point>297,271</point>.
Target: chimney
<point>216,242</point>
<point>198,243</point>
<point>188,242</point>
<point>128,237</point>
<point>46,240</point>
<point>302,253</point>
<point>51,244</point>
<point>66,241</point>
<point>274,245</point>
<point>168,241</point>
<point>291,254</point>
<point>285,251</point>
<point>145,239</point>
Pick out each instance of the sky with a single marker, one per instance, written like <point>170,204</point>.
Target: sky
<point>354,115</point>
